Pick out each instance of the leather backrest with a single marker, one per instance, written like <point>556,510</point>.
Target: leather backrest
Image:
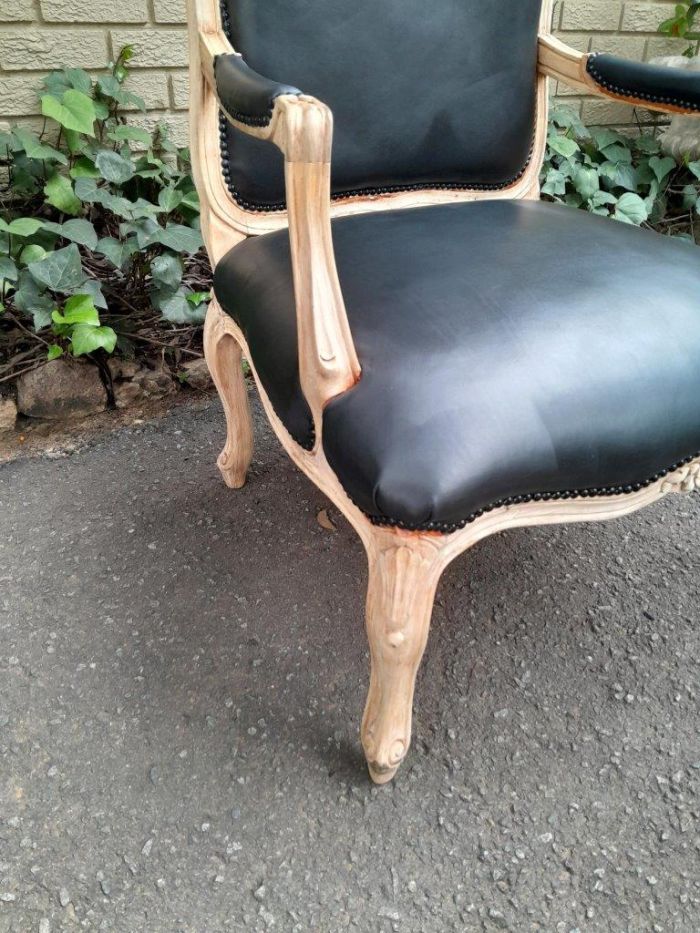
<point>424,94</point>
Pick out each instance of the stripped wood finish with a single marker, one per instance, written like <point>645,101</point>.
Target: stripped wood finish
<point>404,566</point>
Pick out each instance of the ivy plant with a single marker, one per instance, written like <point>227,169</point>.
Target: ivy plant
<point>680,25</point>
<point>100,218</point>
<point>628,178</point>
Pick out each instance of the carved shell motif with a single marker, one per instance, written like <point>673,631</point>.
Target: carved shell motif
<point>686,479</point>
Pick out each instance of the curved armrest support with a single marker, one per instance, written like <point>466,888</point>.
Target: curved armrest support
<point>668,90</point>
<point>302,127</point>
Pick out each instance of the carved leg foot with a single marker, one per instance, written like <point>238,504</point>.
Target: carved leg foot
<point>402,582</point>
<point>223,356</point>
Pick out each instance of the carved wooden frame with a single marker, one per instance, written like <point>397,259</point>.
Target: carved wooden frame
<point>404,566</point>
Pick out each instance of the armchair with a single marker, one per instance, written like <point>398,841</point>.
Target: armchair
<point>415,352</point>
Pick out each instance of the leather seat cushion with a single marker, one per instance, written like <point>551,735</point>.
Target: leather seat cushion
<point>507,349</point>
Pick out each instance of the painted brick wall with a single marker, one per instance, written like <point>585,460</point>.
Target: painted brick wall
<point>37,35</point>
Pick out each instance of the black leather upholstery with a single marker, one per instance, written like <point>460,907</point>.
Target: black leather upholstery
<point>507,348</point>
<point>640,81</point>
<point>246,95</point>
<point>438,94</point>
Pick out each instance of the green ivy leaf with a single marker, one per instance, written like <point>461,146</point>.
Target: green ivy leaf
<point>662,167</point>
<point>56,83</point>
<point>169,198</point>
<point>690,197</point>
<point>126,53</point>
<point>113,166</point>
<point>87,190</point>
<point>126,98</point>
<point>32,299</point>
<point>87,339</point>
<point>617,153</point>
<point>196,298</point>
<point>586,181</point>
<point>562,145</point>
<point>109,86</point>
<point>80,309</point>
<point>603,137</point>
<point>620,175</point>
<point>181,239</point>
<point>695,168</point>
<point>75,111</point>
<point>35,149</point>
<point>166,271</point>
<point>22,226</point>
<point>59,193</point>
<point>134,134</point>
<point>60,271</point>
<point>8,269</point>
<point>631,209</point>
<point>176,309</point>
<point>603,199</point>
<point>79,79</point>
<point>31,253</point>
<point>568,119</point>
<point>554,183</point>
<point>191,201</point>
<point>80,231</point>
<point>92,288</point>
<point>117,251</point>
<point>54,352</point>
<point>74,140</point>
<point>101,110</point>
<point>84,168</point>
<point>146,230</point>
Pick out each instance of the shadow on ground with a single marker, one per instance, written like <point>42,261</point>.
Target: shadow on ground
<point>182,672</point>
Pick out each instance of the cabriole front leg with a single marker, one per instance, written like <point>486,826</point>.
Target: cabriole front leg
<point>223,356</point>
<point>403,574</point>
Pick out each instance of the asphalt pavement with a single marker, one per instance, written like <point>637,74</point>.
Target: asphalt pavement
<point>182,673</point>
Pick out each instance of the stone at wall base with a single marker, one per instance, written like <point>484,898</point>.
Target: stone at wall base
<point>8,415</point>
<point>61,390</point>
<point>197,374</point>
<point>156,383</point>
<point>682,136</point>
<point>134,383</point>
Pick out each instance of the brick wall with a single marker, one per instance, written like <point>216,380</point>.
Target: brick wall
<point>37,35</point>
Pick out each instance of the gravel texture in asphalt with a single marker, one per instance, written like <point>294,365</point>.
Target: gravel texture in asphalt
<point>182,673</point>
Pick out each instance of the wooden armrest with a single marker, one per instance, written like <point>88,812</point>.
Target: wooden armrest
<point>561,62</point>
<point>302,128</point>
<point>667,90</point>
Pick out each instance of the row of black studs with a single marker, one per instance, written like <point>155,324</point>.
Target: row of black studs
<point>225,19</point>
<point>448,527</point>
<point>637,95</point>
<point>357,193</point>
<point>249,119</point>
